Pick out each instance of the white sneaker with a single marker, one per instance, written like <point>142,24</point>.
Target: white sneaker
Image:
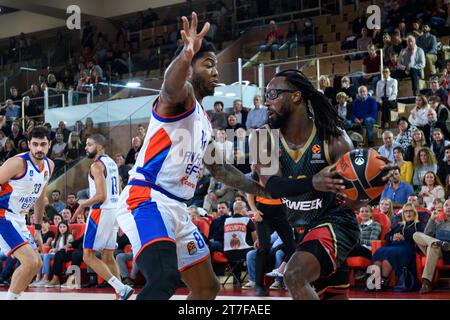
<point>276,285</point>
<point>40,283</point>
<point>249,285</point>
<point>274,273</point>
<point>125,294</point>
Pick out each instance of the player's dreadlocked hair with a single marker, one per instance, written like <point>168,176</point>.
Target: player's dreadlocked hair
<point>326,117</point>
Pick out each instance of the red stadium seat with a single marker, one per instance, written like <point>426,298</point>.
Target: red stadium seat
<point>439,266</point>
<point>77,230</point>
<point>202,225</point>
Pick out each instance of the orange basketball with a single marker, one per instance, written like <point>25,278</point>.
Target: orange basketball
<point>360,170</point>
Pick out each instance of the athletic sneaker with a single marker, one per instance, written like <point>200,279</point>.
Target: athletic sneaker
<point>274,273</point>
<point>40,283</point>
<point>249,285</point>
<point>52,285</point>
<point>126,294</point>
<point>276,285</point>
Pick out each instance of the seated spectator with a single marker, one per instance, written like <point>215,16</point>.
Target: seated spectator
<point>387,149</point>
<point>361,44</point>
<point>385,207</point>
<point>66,215</point>
<point>224,150</point>
<point>216,230</point>
<point>239,237</point>
<point>201,190</point>
<point>22,146</point>
<point>16,134</point>
<point>233,125</point>
<point>136,145</point>
<point>397,190</point>
<point>438,144</point>
<point>440,108</point>
<point>123,169</point>
<point>434,242</point>
<point>217,193</point>
<point>393,63</point>
<point>57,152</point>
<point>344,109</point>
<point>62,129</point>
<point>241,150</point>
<point>219,119</point>
<point>423,162</point>
<point>274,39</point>
<point>369,230</point>
<point>386,96</point>
<point>74,150</point>
<point>364,113</point>
<point>31,109</point>
<point>405,133</point>
<point>400,253</point>
<point>307,38</point>
<point>128,278</point>
<point>14,94</point>
<point>292,39</point>
<point>418,115</point>
<point>71,202</point>
<point>257,117</point>
<point>432,124</point>
<point>428,43</point>
<point>88,130</point>
<point>431,189</point>
<point>141,131</point>
<point>3,139</point>
<point>8,151</point>
<point>240,113</point>
<point>371,68</point>
<point>326,88</point>
<point>12,111</point>
<point>349,89</point>
<point>11,264</point>
<point>406,167</point>
<point>435,90</point>
<point>56,201</point>
<point>444,165</point>
<point>445,78</point>
<point>418,142</point>
<point>411,63</point>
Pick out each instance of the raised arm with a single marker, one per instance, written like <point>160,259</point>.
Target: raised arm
<point>177,93</point>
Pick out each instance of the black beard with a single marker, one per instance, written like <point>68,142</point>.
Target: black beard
<point>278,121</point>
<point>91,155</point>
<point>200,88</point>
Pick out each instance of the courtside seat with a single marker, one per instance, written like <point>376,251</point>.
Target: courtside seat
<point>77,230</point>
<point>202,225</point>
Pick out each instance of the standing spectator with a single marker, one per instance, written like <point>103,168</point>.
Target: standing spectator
<point>428,43</point>
<point>371,68</point>
<point>123,169</point>
<point>136,145</point>
<point>216,230</point>
<point>406,167</point>
<point>219,118</point>
<point>397,190</point>
<point>444,165</point>
<point>438,144</point>
<point>386,95</point>
<point>369,230</point>
<point>56,201</point>
<point>57,153</point>
<point>364,112</point>
<point>71,202</point>
<point>307,38</point>
<point>387,149</point>
<point>257,116</point>
<point>239,112</point>
<point>418,115</point>
<point>274,39</point>
<point>428,129</point>
<point>74,150</point>
<point>362,43</point>
<point>417,143</point>
<point>411,63</point>
<point>434,243</point>
<point>431,189</point>
<point>423,162</point>
<point>405,132</point>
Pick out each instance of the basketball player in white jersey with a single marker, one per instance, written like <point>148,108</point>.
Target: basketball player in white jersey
<point>101,227</point>
<point>23,180</point>
<point>151,210</point>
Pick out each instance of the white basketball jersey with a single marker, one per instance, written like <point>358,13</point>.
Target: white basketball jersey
<point>112,183</point>
<point>172,153</point>
<point>235,235</point>
<point>20,194</point>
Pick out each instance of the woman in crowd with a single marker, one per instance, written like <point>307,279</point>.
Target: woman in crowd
<point>431,189</point>
<point>401,252</point>
<point>406,167</point>
<point>370,230</point>
<point>74,149</point>
<point>447,186</point>
<point>405,133</point>
<point>418,142</point>
<point>385,207</point>
<point>423,163</point>
<point>418,116</point>
<point>9,150</point>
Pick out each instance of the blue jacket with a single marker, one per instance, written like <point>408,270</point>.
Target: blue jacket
<point>364,109</point>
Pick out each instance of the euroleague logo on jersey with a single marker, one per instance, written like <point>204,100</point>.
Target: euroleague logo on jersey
<point>316,149</point>
<point>192,248</point>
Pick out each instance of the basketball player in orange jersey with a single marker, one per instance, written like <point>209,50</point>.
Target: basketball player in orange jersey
<point>151,209</point>
<point>311,139</point>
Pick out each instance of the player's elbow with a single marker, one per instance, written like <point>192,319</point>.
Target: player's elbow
<point>101,197</point>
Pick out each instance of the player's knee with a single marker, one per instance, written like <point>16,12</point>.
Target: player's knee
<point>37,263</point>
<point>88,256</point>
<point>294,278</point>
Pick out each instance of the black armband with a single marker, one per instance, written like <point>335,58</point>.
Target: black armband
<point>37,226</point>
<point>280,187</point>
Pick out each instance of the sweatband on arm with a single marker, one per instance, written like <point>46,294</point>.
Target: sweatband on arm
<point>280,187</point>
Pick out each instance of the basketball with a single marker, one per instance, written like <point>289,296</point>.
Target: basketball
<point>360,170</point>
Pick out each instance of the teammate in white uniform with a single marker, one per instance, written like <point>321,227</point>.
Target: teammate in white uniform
<point>101,227</point>
<point>151,209</point>
<point>23,180</point>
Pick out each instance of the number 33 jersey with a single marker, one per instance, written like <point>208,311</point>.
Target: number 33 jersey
<point>111,173</point>
<point>21,193</point>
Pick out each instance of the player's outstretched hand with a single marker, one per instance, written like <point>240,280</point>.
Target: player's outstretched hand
<point>325,180</point>
<point>387,168</point>
<point>192,40</point>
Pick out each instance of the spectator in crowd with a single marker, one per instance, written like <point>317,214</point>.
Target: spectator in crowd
<point>292,39</point>
<point>405,133</point>
<point>440,108</point>
<point>349,89</point>
<point>431,189</point>
<point>62,129</point>
<point>219,119</point>
<point>47,235</point>
<point>418,115</point>
<point>428,43</point>
<point>423,162</point>
<point>344,109</point>
<point>364,112</point>
<point>56,201</point>
<point>445,78</point>
<point>386,96</point>
<point>141,131</point>
<point>362,43</point>
<point>66,215</point>
<point>387,149</point>
<point>307,36</point>
<point>3,139</point>
<point>434,243</point>
<point>9,150</point>
<point>136,145</point>
<point>447,187</point>
<point>74,150</point>
<point>411,63</point>
<point>393,63</point>
<point>217,193</point>
<point>22,146</point>
<point>435,90</point>
<point>88,130</point>
<point>400,253</point>
<point>274,39</point>
<point>444,165</point>
<point>71,202</point>
<point>224,148</point>
<point>16,134</point>
<point>233,125</point>
<point>14,94</point>
<point>128,278</point>
<point>57,219</point>
<point>369,230</point>
<point>360,22</point>
<point>241,149</point>
<point>371,68</point>
<point>257,116</point>
<point>201,190</point>
<point>385,207</point>
<point>428,129</point>
<point>31,109</point>
<point>123,169</point>
<point>216,230</point>
<point>397,190</point>
<point>239,112</point>
<point>418,142</point>
<point>12,111</point>
<point>438,144</point>
<point>406,167</point>
<point>57,152</point>
<point>52,133</point>
<point>239,237</point>
<point>388,48</point>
